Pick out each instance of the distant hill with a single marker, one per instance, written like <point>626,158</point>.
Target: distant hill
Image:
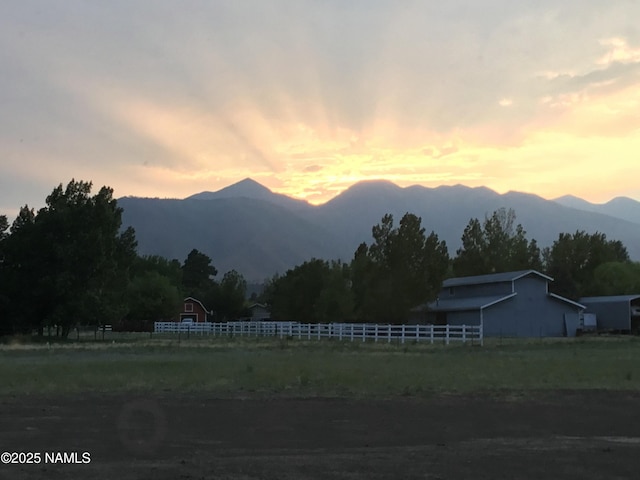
<point>254,237</point>
<point>258,232</point>
<point>619,207</point>
<point>249,188</point>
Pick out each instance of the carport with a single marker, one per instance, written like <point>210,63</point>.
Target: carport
<point>620,313</point>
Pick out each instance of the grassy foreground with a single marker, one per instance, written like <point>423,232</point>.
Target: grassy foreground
<point>309,368</point>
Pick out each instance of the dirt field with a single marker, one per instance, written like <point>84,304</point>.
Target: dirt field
<point>559,435</point>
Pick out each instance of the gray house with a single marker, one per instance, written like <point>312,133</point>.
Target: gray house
<point>510,304</point>
<point>259,311</point>
<point>615,312</point>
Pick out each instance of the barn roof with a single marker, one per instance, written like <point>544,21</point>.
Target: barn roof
<point>462,304</point>
<point>492,278</point>
<point>610,299</point>
<point>195,300</point>
<point>566,300</point>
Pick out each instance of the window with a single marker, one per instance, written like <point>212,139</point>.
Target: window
<point>188,307</point>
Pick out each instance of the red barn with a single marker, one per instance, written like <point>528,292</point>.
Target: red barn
<point>193,311</point>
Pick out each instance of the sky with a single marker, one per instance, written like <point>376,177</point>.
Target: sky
<point>161,98</point>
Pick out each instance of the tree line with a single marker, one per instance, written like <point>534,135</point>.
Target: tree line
<point>70,262</point>
<point>404,267</point>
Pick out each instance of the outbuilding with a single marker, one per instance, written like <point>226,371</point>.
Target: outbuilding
<point>618,313</point>
<point>259,311</point>
<point>193,311</point>
<point>509,304</point>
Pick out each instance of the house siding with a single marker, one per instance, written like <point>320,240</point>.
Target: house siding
<point>194,311</point>
<point>610,315</point>
<point>532,312</point>
<point>524,317</point>
<point>463,318</point>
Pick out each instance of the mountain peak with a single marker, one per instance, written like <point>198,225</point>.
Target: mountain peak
<point>568,197</point>
<point>247,187</point>
<point>622,201</point>
<point>572,201</point>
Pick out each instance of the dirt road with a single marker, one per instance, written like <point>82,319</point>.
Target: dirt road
<point>561,435</point>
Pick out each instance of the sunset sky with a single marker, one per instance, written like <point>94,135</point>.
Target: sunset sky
<point>167,98</point>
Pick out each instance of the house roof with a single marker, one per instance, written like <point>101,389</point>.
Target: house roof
<point>492,278</point>
<point>471,303</point>
<point>566,300</point>
<point>609,299</point>
<point>195,300</point>
<point>257,305</point>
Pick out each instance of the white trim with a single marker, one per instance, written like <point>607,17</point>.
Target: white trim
<point>533,271</point>
<point>558,297</point>
<point>491,278</point>
<point>498,301</point>
<point>196,301</point>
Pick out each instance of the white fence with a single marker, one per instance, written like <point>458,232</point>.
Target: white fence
<point>341,331</point>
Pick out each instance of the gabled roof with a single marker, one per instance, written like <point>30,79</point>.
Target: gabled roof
<point>610,299</point>
<point>492,278</point>
<point>566,300</point>
<point>257,305</point>
<point>195,300</point>
<point>471,303</point>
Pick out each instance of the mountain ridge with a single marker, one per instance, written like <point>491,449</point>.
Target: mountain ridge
<point>257,232</point>
<point>249,188</point>
<point>621,207</point>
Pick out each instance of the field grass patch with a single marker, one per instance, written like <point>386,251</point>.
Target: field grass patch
<point>318,368</point>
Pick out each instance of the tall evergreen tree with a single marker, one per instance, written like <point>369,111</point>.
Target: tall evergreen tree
<point>197,276</point>
<point>402,268</point>
<point>315,291</point>
<point>69,263</point>
<point>230,296</point>
<point>4,225</point>
<point>498,245</point>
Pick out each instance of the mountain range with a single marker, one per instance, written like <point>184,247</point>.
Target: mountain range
<point>257,232</point>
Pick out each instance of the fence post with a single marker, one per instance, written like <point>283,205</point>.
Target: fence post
<point>431,333</point>
<point>340,331</point>
<point>464,334</point>
<point>375,334</point>
<point>402,337</point>
<point>389,333</point>
<point>447,334</point>
<point>364,331</point>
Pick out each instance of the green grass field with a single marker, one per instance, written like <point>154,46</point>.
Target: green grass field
<point>131,363</point>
